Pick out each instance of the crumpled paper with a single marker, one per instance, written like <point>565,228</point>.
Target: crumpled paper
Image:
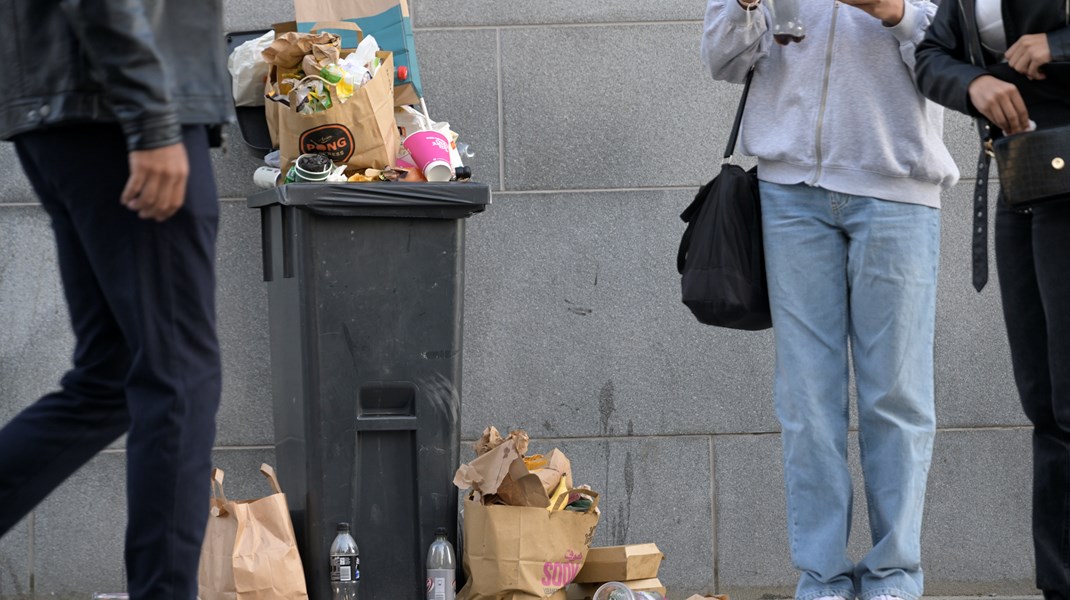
<point>503,474</point>
<point>486,473</point>
<point>289,49</point>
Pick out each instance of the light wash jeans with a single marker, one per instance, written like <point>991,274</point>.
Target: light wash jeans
<point>848,268</point>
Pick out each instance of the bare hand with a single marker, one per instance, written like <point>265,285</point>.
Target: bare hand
<point>890,12</point>
<point>157,185</point>
<point>1000,102</point>
<point>1030,53</point>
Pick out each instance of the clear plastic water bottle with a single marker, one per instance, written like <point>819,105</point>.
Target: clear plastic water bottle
<point>441,568</point>
<point>345,565</point>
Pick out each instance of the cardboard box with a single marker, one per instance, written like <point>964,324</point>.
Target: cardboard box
<point>620,563</point>
<point>585,591</point>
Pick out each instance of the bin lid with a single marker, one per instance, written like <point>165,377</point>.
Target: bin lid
<point>385,199</point>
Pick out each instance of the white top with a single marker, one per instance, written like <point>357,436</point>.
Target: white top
<point>990,25</point>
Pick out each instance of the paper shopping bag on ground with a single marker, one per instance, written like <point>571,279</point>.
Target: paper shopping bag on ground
<point>523,552</point>
<point>250,551</point>
<point>387,20</point>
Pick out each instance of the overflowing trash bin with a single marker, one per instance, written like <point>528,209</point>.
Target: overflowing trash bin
<point>365,296</point>
<point>363,212</point>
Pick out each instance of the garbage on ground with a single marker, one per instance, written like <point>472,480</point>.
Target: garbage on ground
<point>250,546</point>
<point>621,563</point>
<point>640,589</point>
<point>527,528</point>
<point>718,597</point>
<point>632,567</point>
<point>615,590</point>
<point>504,474</point>
<point>441,567</point>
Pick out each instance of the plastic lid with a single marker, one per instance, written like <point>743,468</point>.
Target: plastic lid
<point>343,527</point>
<point>441,531</point>
<point>613,590</point>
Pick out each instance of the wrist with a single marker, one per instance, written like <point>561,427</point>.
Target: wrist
<point>894,14</point>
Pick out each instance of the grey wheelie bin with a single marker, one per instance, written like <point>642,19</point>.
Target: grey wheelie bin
<point>365,289</point>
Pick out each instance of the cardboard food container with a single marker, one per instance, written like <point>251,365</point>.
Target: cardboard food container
<point>620,563</point>
<point>585,591</point>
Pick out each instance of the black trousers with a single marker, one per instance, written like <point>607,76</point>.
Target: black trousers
<point>1033,259</point>
<point>146,361</point>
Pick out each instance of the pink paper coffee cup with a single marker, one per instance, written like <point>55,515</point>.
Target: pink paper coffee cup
<point>431,152</point>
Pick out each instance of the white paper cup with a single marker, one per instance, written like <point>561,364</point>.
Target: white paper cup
<point>266,177</point>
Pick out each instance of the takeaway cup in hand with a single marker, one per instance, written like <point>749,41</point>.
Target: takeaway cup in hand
<point>430,151</point>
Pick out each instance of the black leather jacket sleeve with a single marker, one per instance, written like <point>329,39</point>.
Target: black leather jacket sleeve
<point>121,46</point>
<point>1059,42</point>
<point>943,69</point>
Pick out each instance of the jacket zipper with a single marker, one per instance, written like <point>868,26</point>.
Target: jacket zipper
<point>824,95</point>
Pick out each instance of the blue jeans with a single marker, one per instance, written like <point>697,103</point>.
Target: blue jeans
<point>849,272</point>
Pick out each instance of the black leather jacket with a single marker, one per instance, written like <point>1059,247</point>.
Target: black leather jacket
<point>944,72</point>
<point>151,66</point>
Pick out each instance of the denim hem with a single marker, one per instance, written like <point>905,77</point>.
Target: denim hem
<point>898,593</point>
<point>846,594</point>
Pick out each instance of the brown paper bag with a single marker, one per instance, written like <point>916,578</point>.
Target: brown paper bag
<point>524,553</point>
<point>250,551</point>
<point>360,133</point>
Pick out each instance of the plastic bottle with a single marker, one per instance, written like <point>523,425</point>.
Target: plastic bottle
<point>441,568</point>
<point>614,590</point>
<point>345,565</point>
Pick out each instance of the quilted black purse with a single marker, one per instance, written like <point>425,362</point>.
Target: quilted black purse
<point>1034,166</point>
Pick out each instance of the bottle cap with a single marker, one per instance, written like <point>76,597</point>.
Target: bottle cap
<point>343,527</point>
<point>441,531</point>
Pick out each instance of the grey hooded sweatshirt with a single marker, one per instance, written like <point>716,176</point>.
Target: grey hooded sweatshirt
<point>838,110</point>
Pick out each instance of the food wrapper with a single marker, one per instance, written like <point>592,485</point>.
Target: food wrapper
<point>522,487</point>
<point>320,56</point>
<point>556,469</point>
<point>491,439</point>
<point>486,473</point>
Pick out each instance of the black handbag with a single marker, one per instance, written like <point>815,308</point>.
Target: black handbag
<point>1034,166</point>
<point>721,261</point>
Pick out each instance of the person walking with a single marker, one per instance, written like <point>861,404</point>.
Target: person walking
<point>851,167</point>
<point>112,107</point>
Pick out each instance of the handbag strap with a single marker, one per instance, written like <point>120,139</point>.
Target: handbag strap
<point>689,214</point>
<point>730,149</point>
<point>968,9</point>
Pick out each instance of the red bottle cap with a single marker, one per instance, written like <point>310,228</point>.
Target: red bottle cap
<point>403,73</point>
